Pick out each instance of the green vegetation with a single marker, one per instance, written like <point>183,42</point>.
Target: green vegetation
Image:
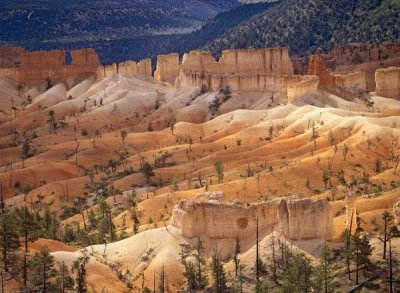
<point>305,26</point>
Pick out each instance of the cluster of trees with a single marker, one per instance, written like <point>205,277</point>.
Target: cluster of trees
<point>38,272</point>
<point>324,25</point>
<point>288,270</point>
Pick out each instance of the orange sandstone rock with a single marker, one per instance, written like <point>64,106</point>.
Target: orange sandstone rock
<point>388,82</point>
<point>167,68</point>
<point>295,218</point>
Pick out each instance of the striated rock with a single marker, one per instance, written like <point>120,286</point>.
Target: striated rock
<point>167,68</point>
<point>354,82</point>
<point>254,70</point>
<point>396,212</point>
<point>85,57</point>
<point>307,84</point>
<point>10,56</point>
<point>317,67</point>
<point>40,65</point>
<point>295,218</point>
<point>127,68</point>
<point>388,82</point>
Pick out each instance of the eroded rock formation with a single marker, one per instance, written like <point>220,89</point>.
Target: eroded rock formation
<point>388,82</point>
<point>40,65</point>
<point>254,70</point>
<point>167,68</point>
<point>307,84</point>
<point>295,218</point>
<point>10,56</point>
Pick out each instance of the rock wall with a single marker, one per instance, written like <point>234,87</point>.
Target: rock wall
<point>167,68</point>
<point>388,82</point>
<point>253,70</point>
<point>10,56</point>
<point>39,65</point>
<point>128,68</point>
<point>354,82</point>
<point>307,84</point>
<point>317,67</point>
<point>295,218</point>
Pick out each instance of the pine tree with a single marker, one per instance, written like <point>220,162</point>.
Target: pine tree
<point>296,277</point>
<point>131,206</point>
<point>218,274</point>
<point>324,272</point>
<point>64,281</point>
<point>389,231</point>
<point>9,240</point>
<point>79,268</point>
<point>42,270</point>
<point>201,277</point>
<point>27,228</point>
<point>219,168</point>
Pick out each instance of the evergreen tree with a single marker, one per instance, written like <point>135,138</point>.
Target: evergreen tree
<point>218,274</point>
<point>389,231</point>
<point>9,240</point>
<point>27,228</point>
<point>201,277</point>
<point>189,270</point>
<point>131,206</point>
<point>64,281</point>
<point>296,277</point>
<point>219,168</point>
<point>79,268</point>
<point>42,270</point>
<point>324,272</point>
<point>147,171</point>
<point>361,250</point>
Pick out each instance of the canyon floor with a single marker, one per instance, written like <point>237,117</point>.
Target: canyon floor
<point>86,131</point>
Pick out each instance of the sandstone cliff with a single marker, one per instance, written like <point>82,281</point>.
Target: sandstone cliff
<point>10,56</point>
<point>295,218</point>
<point>254,70</point>
<point>388,82</point>
<point>127,68</point>
<point>167,68</point>
<point>39,65</point>
<point>307,84</point>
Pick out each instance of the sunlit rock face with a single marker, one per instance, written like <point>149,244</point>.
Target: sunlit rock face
<point>297,219</point>
<point>388,82</point>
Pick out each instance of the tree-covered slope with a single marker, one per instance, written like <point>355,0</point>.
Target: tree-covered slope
<point>306,25</point>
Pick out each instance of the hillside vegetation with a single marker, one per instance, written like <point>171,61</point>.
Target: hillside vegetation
<point>306,25</point>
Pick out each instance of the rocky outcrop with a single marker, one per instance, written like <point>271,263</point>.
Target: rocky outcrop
<point>354,82</point>
<point>10,56</point>
<point>253,70</point>
<point>317,67</point>
<point>308,84</point>
<point>388,82</point>
<point>40,65</point>
<point>85,57</point>
<point>127,68</point>
<point>167,68</point>
<point>295,218</point>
